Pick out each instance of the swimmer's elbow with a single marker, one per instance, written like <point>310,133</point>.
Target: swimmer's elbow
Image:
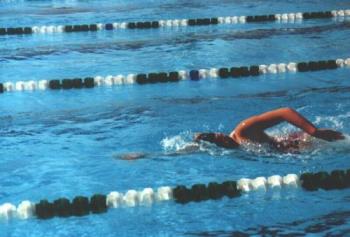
<point>287,110</point>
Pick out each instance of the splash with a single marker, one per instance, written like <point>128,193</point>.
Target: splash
<point>177,142</point>
<point>331,121</point>
<point>183,144</point>
<point>341,147</point>
<point>314,148</point>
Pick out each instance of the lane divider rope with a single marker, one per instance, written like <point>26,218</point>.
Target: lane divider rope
<point>175,76</point>
<point>281,18</point>
<point>98,203</point>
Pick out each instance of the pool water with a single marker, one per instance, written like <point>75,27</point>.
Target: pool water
<point>68,143</point>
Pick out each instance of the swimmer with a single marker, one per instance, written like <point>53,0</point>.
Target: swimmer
<point>252,130</point>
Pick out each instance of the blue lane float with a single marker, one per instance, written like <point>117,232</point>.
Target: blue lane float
<point>99,203</point>
<point>174,76</point>
<point>173,23</point>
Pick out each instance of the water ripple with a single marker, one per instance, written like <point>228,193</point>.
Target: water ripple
<point>288,94</point>
<point>326,224</point>
<point>183,39</point>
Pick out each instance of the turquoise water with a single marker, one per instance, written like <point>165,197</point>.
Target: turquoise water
<point>67,143</point>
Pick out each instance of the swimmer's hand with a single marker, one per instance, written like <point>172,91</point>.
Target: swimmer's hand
<point>328,135</point>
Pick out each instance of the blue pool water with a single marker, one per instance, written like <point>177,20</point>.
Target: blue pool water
<point>67,143</point>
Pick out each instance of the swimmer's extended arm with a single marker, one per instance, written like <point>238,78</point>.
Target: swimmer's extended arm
<point>272,118</point>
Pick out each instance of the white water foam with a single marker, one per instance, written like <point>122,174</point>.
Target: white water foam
<point>183,144</point>
<point>177,143</point>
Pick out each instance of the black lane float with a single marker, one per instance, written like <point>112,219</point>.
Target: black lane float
<point>80,206</point>
<point>99,203</point>
<point>174,76</point>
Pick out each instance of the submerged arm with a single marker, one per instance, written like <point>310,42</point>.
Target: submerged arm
<point>187,149</point>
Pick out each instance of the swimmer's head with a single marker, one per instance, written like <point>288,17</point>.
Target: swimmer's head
<point>218,139</point>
